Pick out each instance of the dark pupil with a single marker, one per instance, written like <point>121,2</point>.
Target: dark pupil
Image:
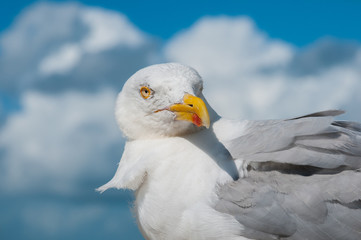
<point>146,91</point>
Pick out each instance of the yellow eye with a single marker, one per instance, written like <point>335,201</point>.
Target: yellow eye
<point>145,92</point>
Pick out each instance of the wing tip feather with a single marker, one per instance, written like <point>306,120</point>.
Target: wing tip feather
<point>327,113</point>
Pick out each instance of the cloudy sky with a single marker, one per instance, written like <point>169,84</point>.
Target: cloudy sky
<point>62,64</point>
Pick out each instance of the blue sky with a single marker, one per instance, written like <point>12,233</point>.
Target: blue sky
<point>63,63</point>
<point>298,22</point>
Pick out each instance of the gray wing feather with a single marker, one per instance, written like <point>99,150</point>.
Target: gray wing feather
<point>304,179</point>
<point>348,125</point>
<point>327,113</point>
<point>272,205</point>
<point>314,140</point>
<point>272,135</point>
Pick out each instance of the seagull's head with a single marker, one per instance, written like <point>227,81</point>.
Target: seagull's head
<point>162,100</point>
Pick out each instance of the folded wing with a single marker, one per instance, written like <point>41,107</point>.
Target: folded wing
<point>304,180</point>
<point>313,140</point>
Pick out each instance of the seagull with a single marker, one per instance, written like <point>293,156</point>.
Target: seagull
<point>197,175</point>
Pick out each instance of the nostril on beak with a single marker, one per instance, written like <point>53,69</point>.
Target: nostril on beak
<point>191,105</point>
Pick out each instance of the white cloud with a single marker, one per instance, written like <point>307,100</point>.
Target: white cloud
<point>106,30</point>
<point>38,27</point>
<point>247,74</point>
<point>60,46</point>
<point>109,29</point>
<point>56,141</point>
<point>222,46</point>
<point>62,60</point>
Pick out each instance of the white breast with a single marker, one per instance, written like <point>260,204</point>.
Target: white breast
<point>180,182</point>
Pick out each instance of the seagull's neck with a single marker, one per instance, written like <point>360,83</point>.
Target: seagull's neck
<point>207,141</point>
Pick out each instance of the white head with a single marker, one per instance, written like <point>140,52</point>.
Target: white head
<point>162,100</point>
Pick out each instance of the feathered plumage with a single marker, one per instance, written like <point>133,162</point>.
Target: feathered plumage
<point>276,179</point>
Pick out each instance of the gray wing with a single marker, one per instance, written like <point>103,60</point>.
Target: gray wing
<point>304,180</point>
<point>313,140</point>
<point>273,205</point>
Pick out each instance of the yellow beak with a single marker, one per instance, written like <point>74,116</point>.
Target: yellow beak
<point>193,110</point>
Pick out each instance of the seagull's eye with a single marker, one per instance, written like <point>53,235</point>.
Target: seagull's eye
<point>145,92</point>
